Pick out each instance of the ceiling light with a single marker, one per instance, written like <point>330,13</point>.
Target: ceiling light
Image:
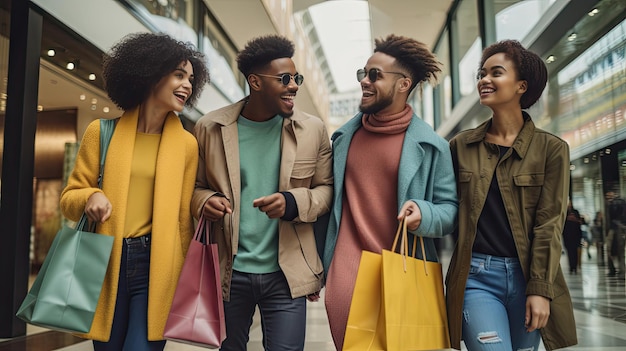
<point>105,109</point>
<point>39,108</point>
<point>551,59</point>
<point>94,101</point>
<point>93,107</point>
<point>571,37</point>
<point>593,12</point>
<point>70,66</point>
<point>82,97</point>
<point>51,52</point>
<point>92,76</point>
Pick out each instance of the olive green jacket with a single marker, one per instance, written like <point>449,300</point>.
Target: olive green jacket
<point>533,177</point>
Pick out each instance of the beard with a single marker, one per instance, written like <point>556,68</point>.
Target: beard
<point>377,105</point>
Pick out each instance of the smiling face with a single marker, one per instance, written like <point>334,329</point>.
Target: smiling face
<point>382,96</point>
<point>277,97</point>
<point>498,84</point>
<point>174,89</point>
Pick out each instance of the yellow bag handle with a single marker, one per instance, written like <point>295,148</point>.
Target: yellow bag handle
<point>401,233</point>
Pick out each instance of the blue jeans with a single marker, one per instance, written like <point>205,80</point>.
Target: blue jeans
<point>495,305</point>
<point>130,322</point>
<point>283,319</point>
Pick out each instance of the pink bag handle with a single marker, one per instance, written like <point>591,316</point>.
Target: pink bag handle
<point>203,231</point>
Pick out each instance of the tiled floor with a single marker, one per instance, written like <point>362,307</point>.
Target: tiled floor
<point>599,302</point>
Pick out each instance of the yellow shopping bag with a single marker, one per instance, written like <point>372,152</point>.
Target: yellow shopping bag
<point>398,301</point>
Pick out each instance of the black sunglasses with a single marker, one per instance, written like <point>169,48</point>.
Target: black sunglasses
<point>285,78</point>
<point>373,74</point>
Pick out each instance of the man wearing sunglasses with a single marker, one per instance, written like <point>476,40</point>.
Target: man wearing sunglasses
<point>388,164</point>
<point>264,177</point>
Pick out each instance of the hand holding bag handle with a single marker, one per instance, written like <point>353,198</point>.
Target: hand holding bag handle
<point>413,298</point>
<point>398,301</point>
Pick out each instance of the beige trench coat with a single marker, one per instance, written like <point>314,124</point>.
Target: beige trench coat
<point>305,172</point>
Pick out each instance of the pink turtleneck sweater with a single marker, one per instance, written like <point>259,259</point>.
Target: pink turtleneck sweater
<point>370,208</point>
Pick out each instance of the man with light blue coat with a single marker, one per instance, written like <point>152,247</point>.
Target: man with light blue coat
<point>388,164</point>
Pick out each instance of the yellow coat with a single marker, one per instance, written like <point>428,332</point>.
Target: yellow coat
<point>172,224</point>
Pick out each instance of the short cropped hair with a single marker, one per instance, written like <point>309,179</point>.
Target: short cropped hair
<point>530,67</point>
<point>412,56</point>
<point>136,64</point>
<point>260,51</point>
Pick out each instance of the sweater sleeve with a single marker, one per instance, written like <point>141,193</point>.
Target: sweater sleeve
<point>83,181</point>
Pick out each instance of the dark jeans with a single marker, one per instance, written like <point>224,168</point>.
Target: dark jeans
<point>130,322</point>
<point>283,319</point>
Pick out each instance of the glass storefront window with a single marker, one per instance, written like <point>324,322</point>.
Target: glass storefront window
<point>444,86</point>
<point>468,44</point>
<point>514,18</point>
<point>221,57</point>
<point>592,92</point>
<point>174,17</point>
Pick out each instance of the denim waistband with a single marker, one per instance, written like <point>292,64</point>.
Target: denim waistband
<point>140,240</point>
<point>494,258</point>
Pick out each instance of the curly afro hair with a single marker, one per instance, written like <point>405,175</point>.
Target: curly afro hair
<point>263,50</point>
<point>530,67</point>
<point>136,64</point>
<point>412,56</point>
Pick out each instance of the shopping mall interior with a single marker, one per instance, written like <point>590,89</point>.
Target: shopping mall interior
<point>51,89</point>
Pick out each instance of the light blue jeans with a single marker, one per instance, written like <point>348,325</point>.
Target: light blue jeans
<point>495,305</point>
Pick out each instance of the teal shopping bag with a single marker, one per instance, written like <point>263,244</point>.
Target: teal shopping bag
<point>65,293</point>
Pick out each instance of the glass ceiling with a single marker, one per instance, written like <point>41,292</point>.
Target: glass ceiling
<point>343,30</point>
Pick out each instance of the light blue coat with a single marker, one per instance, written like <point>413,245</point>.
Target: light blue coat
<point>425,176</point>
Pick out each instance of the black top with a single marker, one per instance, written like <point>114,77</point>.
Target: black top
<point>494,236</point>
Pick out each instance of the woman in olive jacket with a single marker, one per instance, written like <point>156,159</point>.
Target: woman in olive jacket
<point>505,287</point>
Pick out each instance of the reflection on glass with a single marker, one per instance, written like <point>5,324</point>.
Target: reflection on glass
<point>174,17</point>
<point>444,87</point>
<point>469,45</point>
<point>514,19</point>
<point>592,91</point>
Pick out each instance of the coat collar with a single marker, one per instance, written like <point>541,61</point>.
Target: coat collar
<point>418,130</point>
<point>521,143</point>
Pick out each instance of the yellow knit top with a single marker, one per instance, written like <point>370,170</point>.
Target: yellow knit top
<point>141,189</point>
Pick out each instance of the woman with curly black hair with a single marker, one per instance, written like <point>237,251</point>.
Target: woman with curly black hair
<point>505,287</point>
<point>146,193</point>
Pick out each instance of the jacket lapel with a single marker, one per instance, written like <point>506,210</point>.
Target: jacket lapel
<point>167,181</point>
<point>411,160</point>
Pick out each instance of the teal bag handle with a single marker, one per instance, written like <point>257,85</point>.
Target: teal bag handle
<point>107,127</point>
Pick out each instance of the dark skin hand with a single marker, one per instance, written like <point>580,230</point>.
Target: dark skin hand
<point>273,205</point>
<point>215,208</point>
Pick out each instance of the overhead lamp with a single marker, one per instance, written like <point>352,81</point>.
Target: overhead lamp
<point>92,76</point>
<point>82,97</point>
<point>572,37</point>
<point>70,65</point>
<point>593,12</point>
<point>51,53</point>
<point>105,109</point>
<point>551,59</point>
